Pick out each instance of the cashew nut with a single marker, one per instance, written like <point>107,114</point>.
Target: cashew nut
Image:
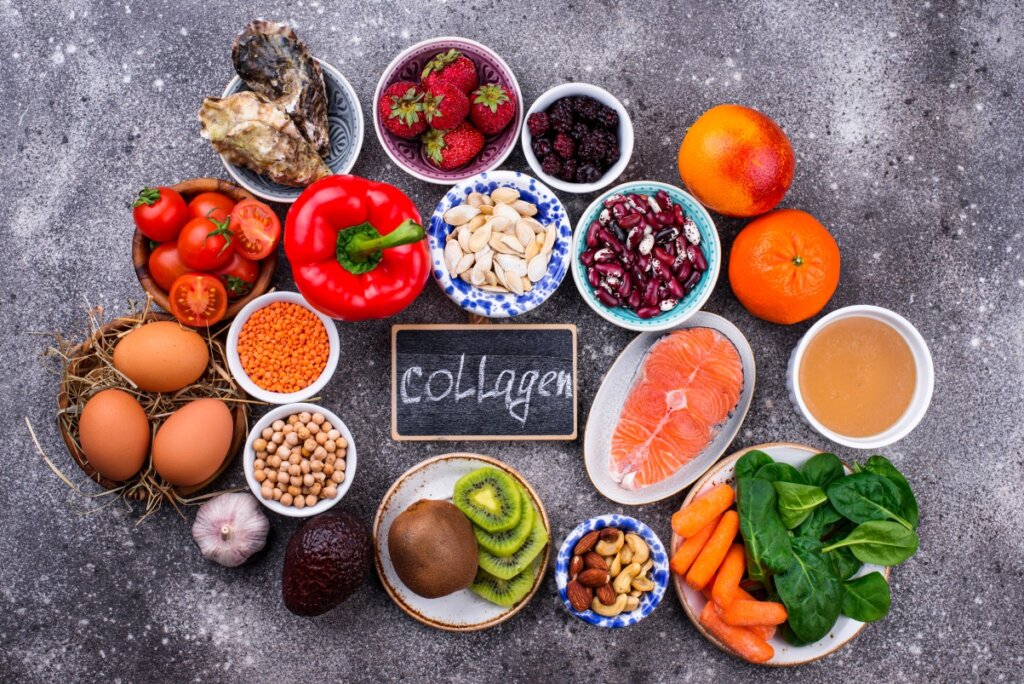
<point>632,603</point>
<point>641,583</point>
<point>625,578</point>
<point>638,548</point>
<point>612,610</point>
<point>646,568</point>
<point>610,548</point>
<point>636,593</point>
<point>626,555</point>
<point>615,567</point>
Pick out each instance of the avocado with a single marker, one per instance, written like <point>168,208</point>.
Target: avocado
<point>327,559</point>
<point>433,548</point>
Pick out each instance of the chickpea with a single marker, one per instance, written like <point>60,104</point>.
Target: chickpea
<point>282,477</point>
<point>341,443</point>
<point>331,458</point>
<point>304,417</point>
<point>295,481</point>
<point>317,417</point>
<point>286,499</point>
<point>319,477</point>
<point>340,464</point>
<point>284,451</point>
<point>338,476</point>
<point>287,430</point>
<point>267,433</point>
<point>319,453</point>
<point>294,470</point>
<point>277,438</point>
<point>315,488</point>
<point>293,419</point>
<point>274,461</point>
<point>309,445</point>
<point>330,446</point>
<point>259,444</point>
<point>271,447</point>
<point>278,425</point>
<point>330,492</point>
<point>258,464</point>
<point>294,458</point>
<point>314,429</point>
<point>316,466</point>
<point>320,438</point>
<point>326,427</point>
<point>306,452</point>
<point>305,467</point>
<point>277,494</point>
<point>303,433</point>
<point>333,435</point>
<point>300,502</point>
<point>260,475</point>
<point>310,500</point>
<point>267,489</point>
<point>291,439</point>
<point>308,480</point>
<point>328,469</point>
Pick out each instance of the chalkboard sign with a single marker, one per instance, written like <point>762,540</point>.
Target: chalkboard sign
<point>477,382</point>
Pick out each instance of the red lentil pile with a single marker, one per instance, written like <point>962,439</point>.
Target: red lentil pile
<point>283,347</point>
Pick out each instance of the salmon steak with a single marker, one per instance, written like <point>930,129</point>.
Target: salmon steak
<point>689,383</point>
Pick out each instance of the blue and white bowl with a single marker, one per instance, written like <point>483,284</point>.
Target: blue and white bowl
<point>710,244</point>
<point>659,571</point>
<point>549,210</point>
<point>345,130</point>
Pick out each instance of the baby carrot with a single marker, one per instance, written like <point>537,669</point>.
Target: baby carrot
<point>691,548</point>
<point>743,613</point>
<point>742,641</point>
<point>766,632</point>
<point>687,521</point>
<point>714,551</point>
<point>727,581</point>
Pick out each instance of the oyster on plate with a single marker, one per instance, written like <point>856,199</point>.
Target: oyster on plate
<point>260,136</point>
<point>276,65</point>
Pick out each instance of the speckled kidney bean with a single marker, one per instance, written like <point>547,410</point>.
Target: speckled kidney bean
<point>607,298</point>
<point>592,234</point>
<point>684,269</point>
<point>697,257</point>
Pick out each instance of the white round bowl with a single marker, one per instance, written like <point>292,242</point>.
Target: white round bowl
<point>235,362</point>
<point>249,456</point>
<point>922,392</point>
<point>625,136</point>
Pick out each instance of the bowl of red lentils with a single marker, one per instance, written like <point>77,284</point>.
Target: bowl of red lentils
<point>281,350</point>
<point>299,460</point>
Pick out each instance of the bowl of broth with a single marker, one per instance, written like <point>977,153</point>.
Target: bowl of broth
<point>862,376</point>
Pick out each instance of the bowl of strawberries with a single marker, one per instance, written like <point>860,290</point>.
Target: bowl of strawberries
<point>447,109</point>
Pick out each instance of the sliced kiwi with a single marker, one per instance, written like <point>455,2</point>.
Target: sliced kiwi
<point>490,498</point>
<point>506,543</point>
<point>509,566</point>
<point>501,591</point>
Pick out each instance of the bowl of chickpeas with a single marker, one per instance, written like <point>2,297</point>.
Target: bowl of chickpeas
<point>299,460</point>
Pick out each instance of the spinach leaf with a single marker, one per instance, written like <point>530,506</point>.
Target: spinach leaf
<point>880,465</point>
<point>844,562</point>
<point>881,542</point>
<point>810,591</point>
<point>750,462</point>
<point>820,522</point>
<point>866,598</point>
<point>865,496</point>
<point>790,637</point>
<point>767,542</point>
<point>822,470</point>
<point>797,501</point>
<point>779,472</point>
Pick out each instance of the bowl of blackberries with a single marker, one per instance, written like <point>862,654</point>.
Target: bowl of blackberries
<point>578,137</point>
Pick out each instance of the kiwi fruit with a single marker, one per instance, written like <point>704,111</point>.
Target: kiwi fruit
<point>507,567</point>
<point>501,591</point>
<point>432,548</point>
<point>490,498</point>
<point>506,543</point>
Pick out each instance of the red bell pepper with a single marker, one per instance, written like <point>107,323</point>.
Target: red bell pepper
<point>356,248</point>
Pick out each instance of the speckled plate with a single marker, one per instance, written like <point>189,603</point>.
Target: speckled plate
<point>693,602</point>
<point>407,66</point>
<point>435,478</point>
<point>659,571</point>
<point>345,125</point>
<point>490,304</point>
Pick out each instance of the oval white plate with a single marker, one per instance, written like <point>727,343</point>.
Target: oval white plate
<point>435,478</point>
<point>786,654</point>
<point>604,415</point>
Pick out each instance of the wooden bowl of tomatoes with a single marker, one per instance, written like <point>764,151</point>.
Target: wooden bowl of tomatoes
<point>204,248</point>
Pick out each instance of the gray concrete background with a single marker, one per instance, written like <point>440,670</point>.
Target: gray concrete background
<point>906,119</point>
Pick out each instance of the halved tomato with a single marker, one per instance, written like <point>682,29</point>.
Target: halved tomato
<point>256,229</point>
<point>198,299</point>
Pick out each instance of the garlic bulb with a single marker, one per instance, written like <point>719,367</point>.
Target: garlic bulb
<point>229,528</point>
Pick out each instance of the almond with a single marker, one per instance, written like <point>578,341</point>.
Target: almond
<point>609,534</point>
<point>592,560</point>
<point>586,543</point>
<point>579,595</point>
<point>575,565</point>
<point>606,595</point>
<point>593,577</point>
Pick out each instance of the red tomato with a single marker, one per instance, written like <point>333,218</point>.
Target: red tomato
<point>165,265</point>
<point>210,205</point>
<point>239,275</point>
<point>198,299</point>
<point>256,229</point>
<point>159,213</point>
<point>205,244</point>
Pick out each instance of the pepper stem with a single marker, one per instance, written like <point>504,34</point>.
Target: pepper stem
<point>359,247</point>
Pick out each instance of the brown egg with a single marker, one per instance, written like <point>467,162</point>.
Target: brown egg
<point>113,431</point>
<point>162,356</point>
<point>193,441</point>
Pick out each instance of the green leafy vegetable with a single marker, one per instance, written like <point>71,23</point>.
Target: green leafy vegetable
<point>822,470</point>
<point>844,562</point>
<point>866,598</point>
<point>779,472</point>
<point>881,542</point>
<point>797,501</point>
<point>750,462</point>
<point>767,542</point>
<point>866,496</point>
<point>810,590</point>
<point>820,523</point>
<point>880,465</point>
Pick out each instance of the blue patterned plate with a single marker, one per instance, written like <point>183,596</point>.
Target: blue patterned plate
<point>549,210</point>
<point>345,125</point>
<point>659,572</point>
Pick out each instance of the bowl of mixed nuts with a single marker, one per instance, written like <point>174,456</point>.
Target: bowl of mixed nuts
<point>612,571</point>
<point>499,243</point>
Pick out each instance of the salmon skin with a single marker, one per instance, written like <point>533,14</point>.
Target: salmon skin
<point>689,383</point>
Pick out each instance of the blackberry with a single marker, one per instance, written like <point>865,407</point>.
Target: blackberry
<point>568,171</point>
<point>610,137</point>
<point>588,173</point>
<point>608,117</point>
<point>560,115</point>
<point>552,165</point>
<point>541,147</point>
<point>592,148</point>
<point>612,154</point>
<point>579,131</point>
<point>565,146</point>
<point>589,109</point>
<point>538,124</point>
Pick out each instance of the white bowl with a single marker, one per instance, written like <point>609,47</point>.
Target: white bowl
<point>235,362</point>
<point>625,136</point>
<point>922,392</point>
<point>249,456</point>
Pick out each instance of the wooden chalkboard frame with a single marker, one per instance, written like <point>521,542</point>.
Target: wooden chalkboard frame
<point>395,329</point>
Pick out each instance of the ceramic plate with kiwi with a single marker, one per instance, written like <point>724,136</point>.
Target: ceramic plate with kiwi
<point>461,542</point>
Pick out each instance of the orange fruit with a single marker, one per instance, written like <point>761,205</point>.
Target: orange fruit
<point>784,266</point>
<point>736,161</point>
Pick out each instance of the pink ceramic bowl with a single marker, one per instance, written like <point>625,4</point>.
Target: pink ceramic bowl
<point>408,154</point>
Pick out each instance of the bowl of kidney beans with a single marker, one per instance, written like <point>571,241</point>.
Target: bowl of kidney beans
<point>646,255</point>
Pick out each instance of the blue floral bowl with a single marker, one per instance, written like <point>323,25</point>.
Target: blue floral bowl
<point>694,299</point>
<point>659,572</point>
<point>492,304</point>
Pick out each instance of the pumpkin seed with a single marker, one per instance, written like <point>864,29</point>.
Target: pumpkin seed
<point>512,243</point>
<point>507,211</point>
<point>524,208</point>
<point>538,267</point>
<point>504,195</point>
<point>452,255</point>
<point>480,238</point>
<point>465,263</point>
<point>456,216</point>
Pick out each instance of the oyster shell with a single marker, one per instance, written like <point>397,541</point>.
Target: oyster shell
<point>260,136</point>
<point>276,65</point>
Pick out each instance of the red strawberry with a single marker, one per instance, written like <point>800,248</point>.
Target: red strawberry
<point>401,109</point>
<point>450,67</point>
<point>451,149</point>
<point>493,108</point>
<point>445,106</point>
